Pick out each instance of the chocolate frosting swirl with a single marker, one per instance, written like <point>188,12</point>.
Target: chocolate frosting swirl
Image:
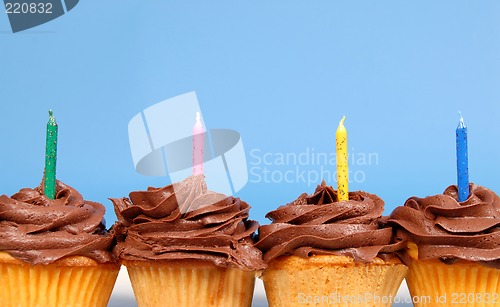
<point>186,221</point>
<point>446,229</point>
<point>39,230</point>
<point>320,224</point>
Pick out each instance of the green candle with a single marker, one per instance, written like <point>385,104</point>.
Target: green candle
<point>49,180</point>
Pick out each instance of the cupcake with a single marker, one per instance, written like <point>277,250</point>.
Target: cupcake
<point>452,247</point>
<point>321,251</point>
<point>184,245</point>
<point>54,252</point>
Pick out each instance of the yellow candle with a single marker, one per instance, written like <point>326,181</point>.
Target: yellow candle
<point>342,168</point>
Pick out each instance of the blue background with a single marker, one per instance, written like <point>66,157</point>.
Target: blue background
<point>280,73</point>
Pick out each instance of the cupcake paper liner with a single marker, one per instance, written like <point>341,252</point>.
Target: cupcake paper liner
<point>325,280</point>
<point>465,284</point>
<point>189,283</point>
<point>72,281</point>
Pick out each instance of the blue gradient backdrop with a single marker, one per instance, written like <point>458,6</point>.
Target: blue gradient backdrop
<point>280,73</point>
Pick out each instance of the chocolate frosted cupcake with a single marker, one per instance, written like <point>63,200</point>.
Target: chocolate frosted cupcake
<point>453,248</point>
<point>186,246</point>
<point>54,252</point>
<point>340,253</point>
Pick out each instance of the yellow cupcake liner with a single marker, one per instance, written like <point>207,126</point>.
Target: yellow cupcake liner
<point>461,284</point>
<point>73,281</point>
<point>189,283</point>
<point>326,280</point>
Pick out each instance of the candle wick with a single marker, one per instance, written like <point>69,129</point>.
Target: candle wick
<point>197,117</point>
<point>342,120</point>
<point>461,123</point>
<point>51,113</point>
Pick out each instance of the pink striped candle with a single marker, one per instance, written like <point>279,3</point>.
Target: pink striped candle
<point>198,146</point>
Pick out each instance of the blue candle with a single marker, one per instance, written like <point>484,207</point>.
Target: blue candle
<point>462,161</point>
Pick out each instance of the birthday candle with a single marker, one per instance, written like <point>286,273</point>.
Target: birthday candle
<point>342,167</point>
<point>198,146</point>
<point>462,161</point>
<point>49,180</point>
